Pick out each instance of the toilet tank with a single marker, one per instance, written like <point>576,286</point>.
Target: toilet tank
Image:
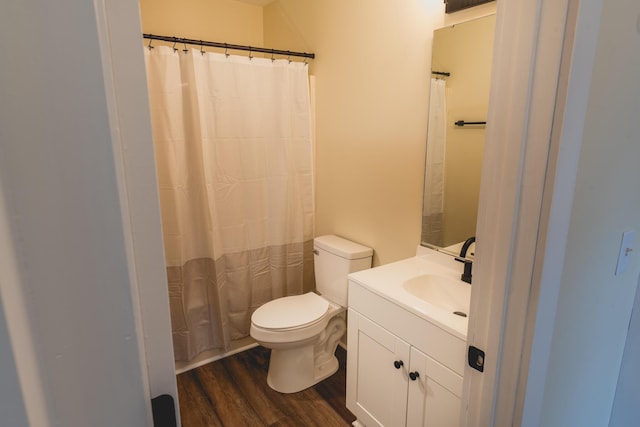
<point>334,259</point>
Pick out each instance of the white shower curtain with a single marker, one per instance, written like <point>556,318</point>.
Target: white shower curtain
<point>432,226</point>
<point>232,137</point>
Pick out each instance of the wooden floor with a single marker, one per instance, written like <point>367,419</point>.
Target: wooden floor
<point>234,392</point>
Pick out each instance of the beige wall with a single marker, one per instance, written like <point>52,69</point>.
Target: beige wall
<point>372,71</point>
<point>224,21</point>
<point>371,109</point>
<point>466,52</point>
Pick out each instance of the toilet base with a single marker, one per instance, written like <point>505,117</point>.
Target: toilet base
<point>286,381</point>
<point>295,369</point>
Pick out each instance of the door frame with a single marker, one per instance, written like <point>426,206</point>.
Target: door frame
<point>125,82</point>
<point>526,192</point>
<point>544,54</point>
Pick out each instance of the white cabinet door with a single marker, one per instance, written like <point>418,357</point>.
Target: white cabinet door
<point>376,389</point>
<point>434,395</point>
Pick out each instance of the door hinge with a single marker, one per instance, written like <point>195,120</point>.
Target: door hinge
<point>476,358</point>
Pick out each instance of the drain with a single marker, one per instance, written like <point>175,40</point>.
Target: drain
<point>460,313</point>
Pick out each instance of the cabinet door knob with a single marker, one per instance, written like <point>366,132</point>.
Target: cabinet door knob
<point>398,364</point>
<point>414,375</point>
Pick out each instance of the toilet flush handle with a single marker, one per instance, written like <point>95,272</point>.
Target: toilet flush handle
<point>317,252</point>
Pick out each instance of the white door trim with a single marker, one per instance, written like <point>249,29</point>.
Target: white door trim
<point>581,38</point>
<point>525,201</point>
<point>120,35</point>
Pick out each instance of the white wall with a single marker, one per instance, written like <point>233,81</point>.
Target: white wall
<point>12,409</point>
<point>594,306</point>
<point>626,410</point>
<point>58,179</point>
<point>19,356</point>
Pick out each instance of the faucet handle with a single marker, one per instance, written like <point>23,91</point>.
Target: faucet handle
<point>468,264</point>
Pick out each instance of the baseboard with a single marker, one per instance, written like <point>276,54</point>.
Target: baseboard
<point>216,354</point>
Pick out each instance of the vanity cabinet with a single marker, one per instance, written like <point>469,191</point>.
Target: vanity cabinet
<point>401,369</point>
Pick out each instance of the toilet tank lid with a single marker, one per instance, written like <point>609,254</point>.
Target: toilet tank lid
<point>342,247</point>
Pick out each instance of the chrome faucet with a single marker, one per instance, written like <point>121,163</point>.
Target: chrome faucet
<point>468,264</point>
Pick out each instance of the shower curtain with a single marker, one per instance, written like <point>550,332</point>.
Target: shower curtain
<point>232,138</point>
<point>432,227</point>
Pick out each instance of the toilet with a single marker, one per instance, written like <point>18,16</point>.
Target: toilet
<point>303,331</point>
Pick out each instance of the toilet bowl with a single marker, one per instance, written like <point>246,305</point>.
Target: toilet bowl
<point>303,331</point>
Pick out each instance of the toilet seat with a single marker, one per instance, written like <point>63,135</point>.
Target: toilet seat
<point>291,313</point>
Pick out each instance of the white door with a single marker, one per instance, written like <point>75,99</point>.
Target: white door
<point>525,202</point>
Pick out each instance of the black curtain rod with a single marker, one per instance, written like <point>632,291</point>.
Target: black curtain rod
<point>463,123</point>
<point>201,43</point>
<point>441,73</point>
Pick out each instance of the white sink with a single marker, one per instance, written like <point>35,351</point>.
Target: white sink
<point>428,286</point>
<point>450,295</point>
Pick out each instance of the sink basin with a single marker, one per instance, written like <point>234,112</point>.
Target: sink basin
<point>427,285</point>
<point>448,294</point>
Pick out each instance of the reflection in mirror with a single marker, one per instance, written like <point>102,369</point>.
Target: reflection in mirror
<point>461,66</point>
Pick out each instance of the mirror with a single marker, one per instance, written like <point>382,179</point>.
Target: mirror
<point>461,66</point>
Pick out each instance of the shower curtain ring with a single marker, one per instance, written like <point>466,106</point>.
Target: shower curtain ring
<point>185,50</point>
<point>250,52</point>
<point>201,48</point>
<point>149,45</point>
<point>174,47</point>
<point>226,50</point>
<point>272,57</point>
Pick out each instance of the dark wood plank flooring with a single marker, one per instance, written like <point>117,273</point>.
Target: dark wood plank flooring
<point>234,392</point>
